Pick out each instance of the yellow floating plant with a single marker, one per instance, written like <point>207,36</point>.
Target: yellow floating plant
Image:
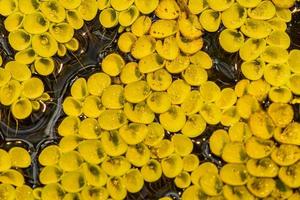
<point>44,66</point>
<point>74,19</point>
<point>234,17</point>
<point>19,157</point>
<point>125,41</point>
<point>210,20</point>
<point>231,41</point>
<point>134,180</point>
<point>35,23</point>
<point>72,45</point>
<point>128,16</point>
<point>28,6</point>
<point>8,7</point>
<point>26,56</point>
<point>19,39</point>
<point>14,21</point>
<point>12,181</point>
<point>62,32</point>
<point>112,64</point>
<point>108,18</point>
<point>44,45</point>
<point>146,7</point>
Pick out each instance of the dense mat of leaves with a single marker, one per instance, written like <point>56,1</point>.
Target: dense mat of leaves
<point>186,99</point>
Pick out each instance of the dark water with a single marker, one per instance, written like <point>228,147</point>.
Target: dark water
<point>39,130</point>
